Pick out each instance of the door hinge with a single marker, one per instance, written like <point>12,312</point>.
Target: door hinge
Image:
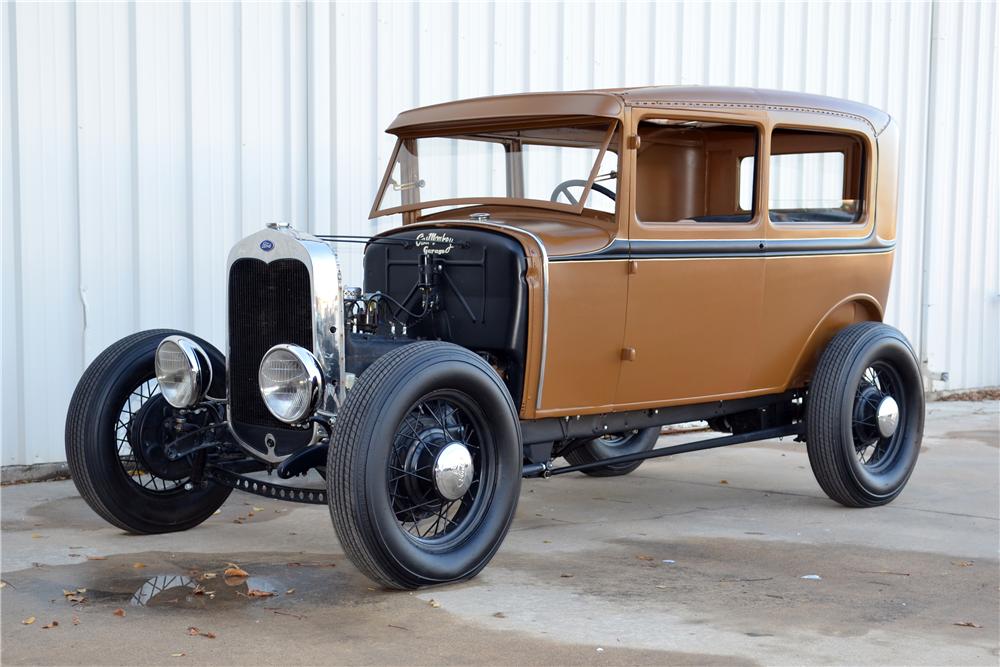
<point>628,354</point>
<point>634,141</point>
<point>633,267</point>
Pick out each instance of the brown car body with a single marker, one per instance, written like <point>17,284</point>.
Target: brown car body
<point>627,314</point>
<point>736,273</point>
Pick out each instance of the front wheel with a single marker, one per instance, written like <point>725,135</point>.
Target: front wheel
<point>115,439</point>
<point>865,415</point>
<point>424,468</point>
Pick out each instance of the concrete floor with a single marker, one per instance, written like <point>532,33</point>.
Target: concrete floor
<point>692,559</point>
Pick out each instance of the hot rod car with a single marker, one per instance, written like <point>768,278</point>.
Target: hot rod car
<point>573,271</point>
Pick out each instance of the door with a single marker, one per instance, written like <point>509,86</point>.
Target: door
<point>826,266</point>
<point>696,271</point>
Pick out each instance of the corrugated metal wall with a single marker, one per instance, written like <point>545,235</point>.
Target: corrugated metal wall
<point>140,140</point>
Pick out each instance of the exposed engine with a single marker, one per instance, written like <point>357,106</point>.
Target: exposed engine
<point>465,286</point>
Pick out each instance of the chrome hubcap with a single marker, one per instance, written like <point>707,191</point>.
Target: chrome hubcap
<point>453,471</point>
<point>887,416</point>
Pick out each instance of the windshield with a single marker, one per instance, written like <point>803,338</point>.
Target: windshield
<point>568,167</point>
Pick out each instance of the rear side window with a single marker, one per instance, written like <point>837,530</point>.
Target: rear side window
<point>695,171</point>
<point>816,176</point>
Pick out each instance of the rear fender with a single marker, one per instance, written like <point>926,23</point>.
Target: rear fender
<point>854,308</point>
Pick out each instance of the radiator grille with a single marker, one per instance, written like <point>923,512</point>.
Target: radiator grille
<point>269,303</point>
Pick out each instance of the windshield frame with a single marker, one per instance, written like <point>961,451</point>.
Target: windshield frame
<point>613,125</point>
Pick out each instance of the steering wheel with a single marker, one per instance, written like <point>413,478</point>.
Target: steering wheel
<point>563,189</point>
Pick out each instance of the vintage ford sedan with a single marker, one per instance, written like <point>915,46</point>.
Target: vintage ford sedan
<point>572,272</point>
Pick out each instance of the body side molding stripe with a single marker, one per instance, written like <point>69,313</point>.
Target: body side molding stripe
<point>621,249</point>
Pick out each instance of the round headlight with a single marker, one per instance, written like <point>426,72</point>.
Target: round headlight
<point>183,371</point>
<point>290,382</point>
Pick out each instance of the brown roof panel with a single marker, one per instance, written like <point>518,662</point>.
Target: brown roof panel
<point>611,102</point>
<point>716,96</point>
<point>526,105</point>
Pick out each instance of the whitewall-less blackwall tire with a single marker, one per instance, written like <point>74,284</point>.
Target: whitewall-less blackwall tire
<point>865,415</point>
<point>117,477</point>
<point>424,468</point>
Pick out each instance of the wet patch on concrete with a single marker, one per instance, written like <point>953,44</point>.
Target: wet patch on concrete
<point>292,608</point>
<point>73,511</point>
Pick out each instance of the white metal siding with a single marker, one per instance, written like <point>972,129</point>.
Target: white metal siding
<point>141,140</point>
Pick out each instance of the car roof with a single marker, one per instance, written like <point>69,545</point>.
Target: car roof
<point>610,103</point>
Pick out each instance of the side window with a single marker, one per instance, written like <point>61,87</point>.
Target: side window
<point>692,171</point>
<point>815,176</point>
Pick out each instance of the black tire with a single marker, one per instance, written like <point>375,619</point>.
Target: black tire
<point>854,462</point>
<point>132,500</point>
<point>618,444</point>
<point>383,425</point>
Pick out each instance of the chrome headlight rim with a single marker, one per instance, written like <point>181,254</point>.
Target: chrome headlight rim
<point>195,379</point>
<point>311,383</point>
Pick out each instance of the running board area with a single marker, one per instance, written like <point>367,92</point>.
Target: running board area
<point>546,469</point>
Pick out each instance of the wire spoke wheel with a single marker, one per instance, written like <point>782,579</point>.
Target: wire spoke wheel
<point>877,413</point>
<point>424,466</point>
<point>865,415</point>
<point>118,427</point>
<point>128,446</point>
<point>437,467</point>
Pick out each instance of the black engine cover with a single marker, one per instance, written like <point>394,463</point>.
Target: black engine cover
<point>480,281</point>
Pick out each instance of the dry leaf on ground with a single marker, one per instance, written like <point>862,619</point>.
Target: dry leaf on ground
<point>235,571</point>
<point>97,557</point>
<point>434,603</point>
<point>119,612</point>
<point>195,632</point>
<point>28,621</point>
<point>52,624</point>
<point>177,655</point>
<point>76,620</point>
<point>644,557</point>
<point>968,624</point>
<point>138,566</point>
<point>257,593</point>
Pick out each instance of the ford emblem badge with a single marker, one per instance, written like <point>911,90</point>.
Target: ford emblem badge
<point>266,245</point>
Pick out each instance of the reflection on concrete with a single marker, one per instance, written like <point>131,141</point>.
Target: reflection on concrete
<point>179,590</point>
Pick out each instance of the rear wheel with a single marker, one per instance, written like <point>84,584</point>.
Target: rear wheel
<point>115,441</point>
<point>616,444</point>
<point>865,415</point>
<point>424,468</point>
